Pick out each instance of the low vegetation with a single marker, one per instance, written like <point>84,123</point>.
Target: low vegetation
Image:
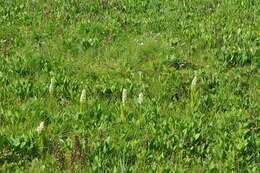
<point>130,86</point>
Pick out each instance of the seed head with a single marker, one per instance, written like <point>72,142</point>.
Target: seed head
<point>141,98</point>
<point>40,128</point>
<point>83,96</point>
<point>124,96</point>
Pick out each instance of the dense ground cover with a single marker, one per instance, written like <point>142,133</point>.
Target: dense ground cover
<point>151,47</point>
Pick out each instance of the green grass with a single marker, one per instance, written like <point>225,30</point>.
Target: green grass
<point>153,47</point>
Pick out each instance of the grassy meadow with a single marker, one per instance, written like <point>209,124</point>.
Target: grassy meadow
<point>130,86</point>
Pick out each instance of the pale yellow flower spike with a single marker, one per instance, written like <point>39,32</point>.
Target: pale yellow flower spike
<point>194,83</point>
<point>82,100</point>
<point>51,87</point>
<point>141,98</point>
<point>40,128</point>
<point>124,96</point>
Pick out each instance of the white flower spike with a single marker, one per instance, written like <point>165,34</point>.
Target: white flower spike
<point>83,96</point>
<point>141,98</point>
<point>124,96</point>
<point>82,100</point>
<point>51,87</point>
<point>194,83</point>
<point>40,128</point>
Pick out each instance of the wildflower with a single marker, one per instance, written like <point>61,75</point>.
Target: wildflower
<point>194,93</point>
<point>51,87</point>
<point>194,83</point>
<point>124,96</point>
<point>140,75</point>
<point>82,100</point>
<point>83,96</point>
<point>141,98</point>
<point>40,128</point>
